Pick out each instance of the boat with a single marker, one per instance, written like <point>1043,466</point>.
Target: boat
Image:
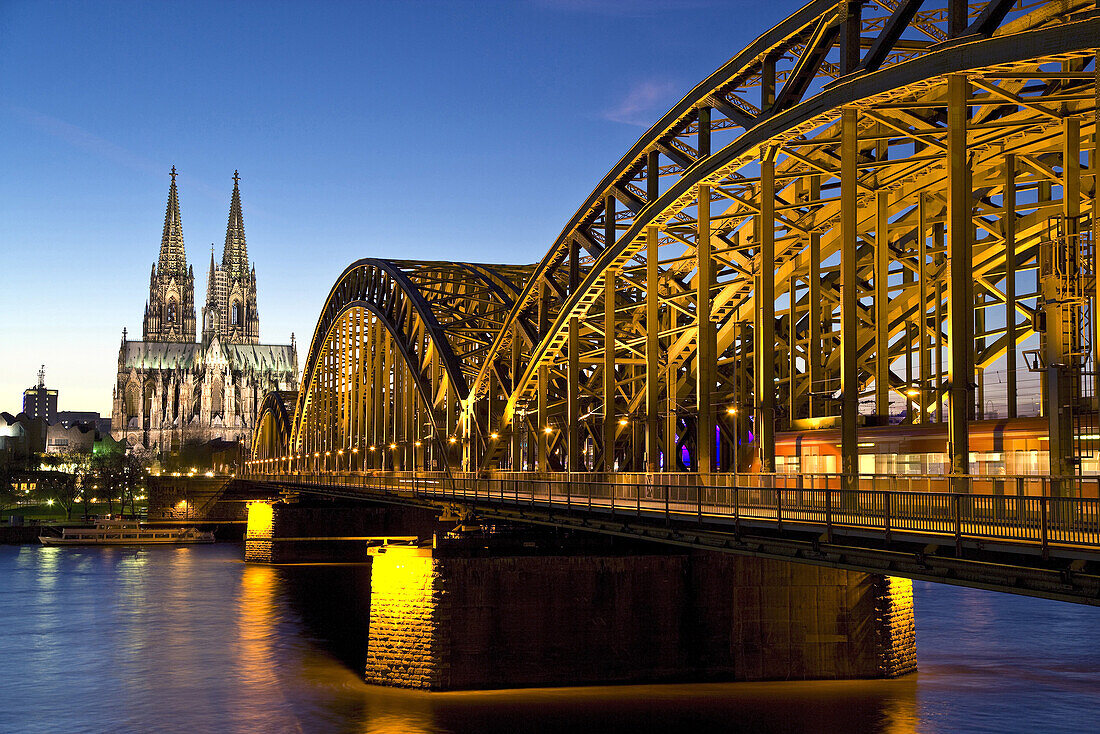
<point>126,532</point>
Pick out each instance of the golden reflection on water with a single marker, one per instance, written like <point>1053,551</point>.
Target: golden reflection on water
<point>267,604</point>
<point>256,621</point>
<point>883,707</point>
<point>194,640</point>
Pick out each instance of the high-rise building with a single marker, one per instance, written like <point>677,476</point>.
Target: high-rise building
<point>39,401</point>
<point>170,388</point>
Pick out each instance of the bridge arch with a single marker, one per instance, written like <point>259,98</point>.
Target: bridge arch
<point>271,434</point>
<point>933,129</point>
<point>850,221</point>
<point>387,372</point>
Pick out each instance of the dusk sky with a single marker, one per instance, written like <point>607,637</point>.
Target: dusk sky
<point>420,130</point>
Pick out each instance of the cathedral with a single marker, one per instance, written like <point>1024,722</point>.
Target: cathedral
<point>172,389</point>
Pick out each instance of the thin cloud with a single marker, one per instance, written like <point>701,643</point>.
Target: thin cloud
<point>102,148</point>
<point>643,103</point>
<point>621,8</point>
<point>80,138</point>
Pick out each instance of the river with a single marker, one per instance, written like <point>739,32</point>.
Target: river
<point>191,639</point>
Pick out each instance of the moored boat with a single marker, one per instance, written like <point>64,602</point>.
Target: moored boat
<point>126,532</point>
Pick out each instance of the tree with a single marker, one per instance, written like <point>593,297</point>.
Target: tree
<point>62,479</point>
<point>192,454</point>
<point>9,498</point>
<point>131,475</point>
<point>117,475</point>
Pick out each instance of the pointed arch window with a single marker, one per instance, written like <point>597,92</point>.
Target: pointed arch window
<point>171,310</point>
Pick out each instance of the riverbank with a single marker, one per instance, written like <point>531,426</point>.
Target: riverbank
<point>19,534</point>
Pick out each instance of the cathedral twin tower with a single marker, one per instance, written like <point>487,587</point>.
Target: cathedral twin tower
<point>230,309</point>
<point>171,389</point>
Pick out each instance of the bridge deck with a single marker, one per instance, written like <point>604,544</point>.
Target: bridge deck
<point>1007,542</point>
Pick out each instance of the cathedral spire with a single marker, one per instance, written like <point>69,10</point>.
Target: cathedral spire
<point>211,280</point>
<point>173,257</point>
<point>170,310</point>
<point>235,253</point>
<point>211,310</point>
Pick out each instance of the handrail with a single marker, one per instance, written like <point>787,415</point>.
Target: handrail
<point>1036,521</point>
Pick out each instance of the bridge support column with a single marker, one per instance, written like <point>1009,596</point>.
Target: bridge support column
<point>610,419</point>
<point>815,358</point>
<point>1061,330</point>
<point>766,298</point>
<point>652,351</point>
<point>960,301</point>
<point>441,622</point>
<point>278,532</point>
<point>849,322</point>
<point>706,366</point>
<point>545,430</point>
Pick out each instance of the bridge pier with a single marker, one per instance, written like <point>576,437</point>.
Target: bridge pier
<point>445,621</point>
<point>278,532</point>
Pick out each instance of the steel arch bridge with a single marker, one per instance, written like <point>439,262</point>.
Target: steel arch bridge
<point>856,221</point>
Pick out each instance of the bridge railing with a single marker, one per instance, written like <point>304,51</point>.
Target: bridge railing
<point>1032,485</point>
<point>1038,520</point>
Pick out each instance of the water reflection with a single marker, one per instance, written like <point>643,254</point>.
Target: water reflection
<point>157,639</point>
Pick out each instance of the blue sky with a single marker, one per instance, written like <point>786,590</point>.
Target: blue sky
<point>423,130</point>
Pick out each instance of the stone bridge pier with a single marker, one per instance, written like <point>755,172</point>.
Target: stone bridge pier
<point>326,532</point>
<point>530,607</point>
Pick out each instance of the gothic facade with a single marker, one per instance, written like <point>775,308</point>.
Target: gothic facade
<point>173,389</point>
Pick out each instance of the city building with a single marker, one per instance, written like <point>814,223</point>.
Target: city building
<point>78,438</point>
<point>39,401</point>
<point>21,437</point>
<point>170,388</point>
<point>70,418</point>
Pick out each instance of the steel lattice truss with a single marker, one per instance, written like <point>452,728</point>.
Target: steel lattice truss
<point>853,208</point>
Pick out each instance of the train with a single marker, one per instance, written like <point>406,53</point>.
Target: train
<point>1000,447</point>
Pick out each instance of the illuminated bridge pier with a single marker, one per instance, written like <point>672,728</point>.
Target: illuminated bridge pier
<point>512,607</point>
<point>838,305</point>
<point>442,622</point>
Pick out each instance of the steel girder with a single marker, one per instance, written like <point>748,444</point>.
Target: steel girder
<point>392,355</point>
<point>870,184</point>
<point>273,426</point>
<point>1025,72</point>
